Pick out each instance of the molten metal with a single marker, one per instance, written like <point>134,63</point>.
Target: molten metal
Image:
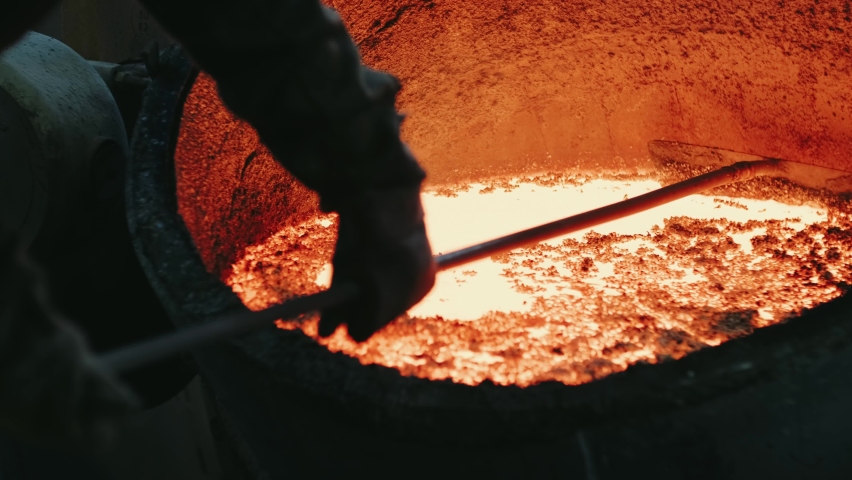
<point>652,287</point>
<point>517,88</point>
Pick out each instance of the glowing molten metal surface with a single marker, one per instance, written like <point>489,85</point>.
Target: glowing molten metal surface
<point>515,88</point>
<point>652,287</point>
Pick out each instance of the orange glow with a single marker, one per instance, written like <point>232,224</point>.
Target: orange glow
<point>652,287</point>
<point>516,88</point>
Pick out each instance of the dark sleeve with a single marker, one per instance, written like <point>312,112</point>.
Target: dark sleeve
<point>17,17</point>
<point>50,385</point>
<point>290,68</point>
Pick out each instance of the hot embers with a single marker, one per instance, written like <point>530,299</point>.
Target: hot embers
<point>584,306</point>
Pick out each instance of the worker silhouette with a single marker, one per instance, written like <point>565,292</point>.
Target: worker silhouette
<point>291,70</point>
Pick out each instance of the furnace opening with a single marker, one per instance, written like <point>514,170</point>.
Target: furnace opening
<point>509,97</point>
<point>649,288</point>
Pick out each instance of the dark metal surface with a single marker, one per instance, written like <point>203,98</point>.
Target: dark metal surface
<point>62,172</point>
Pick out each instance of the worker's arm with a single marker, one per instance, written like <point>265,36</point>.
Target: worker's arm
<point>291,70</point>
<point>51,387</point>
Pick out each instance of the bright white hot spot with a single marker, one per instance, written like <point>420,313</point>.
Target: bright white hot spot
<point>470,291</point>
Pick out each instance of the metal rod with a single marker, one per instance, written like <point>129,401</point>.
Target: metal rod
<point>231,325</point>
<point>226,326</point>
<point>723,176</point>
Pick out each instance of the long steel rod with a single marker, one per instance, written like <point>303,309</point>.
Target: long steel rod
<point>231,325</point>
<point>723,176</point>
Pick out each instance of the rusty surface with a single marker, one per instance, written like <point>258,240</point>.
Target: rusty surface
<point>550,84</point>
<point>232,193</point>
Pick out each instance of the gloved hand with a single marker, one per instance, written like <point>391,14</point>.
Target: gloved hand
<point>52,390</point>
<point>383,248</point>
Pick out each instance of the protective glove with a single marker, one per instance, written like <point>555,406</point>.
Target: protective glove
<point>52,390</point>
<point>383,248</point>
